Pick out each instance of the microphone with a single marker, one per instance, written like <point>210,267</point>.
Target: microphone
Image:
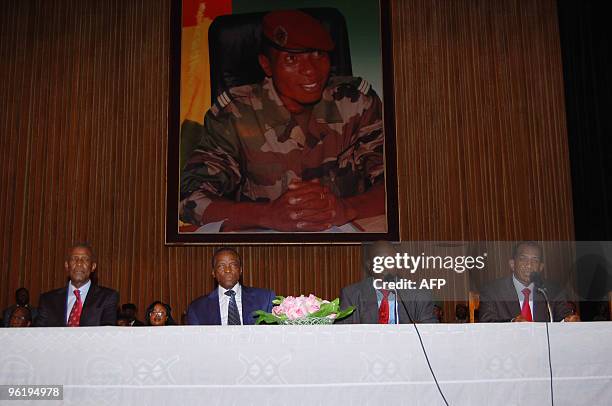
<point>538,282</point>
<point>536,279</point>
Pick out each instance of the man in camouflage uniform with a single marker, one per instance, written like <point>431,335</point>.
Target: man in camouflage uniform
<point>299,151</point>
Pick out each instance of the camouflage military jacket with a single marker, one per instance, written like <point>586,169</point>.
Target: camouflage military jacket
<point>251,147</point>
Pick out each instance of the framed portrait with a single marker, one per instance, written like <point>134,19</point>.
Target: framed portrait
<point>281,126</point>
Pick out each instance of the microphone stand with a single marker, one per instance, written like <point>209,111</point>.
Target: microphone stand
<point>398,299</point>
<point>538,283</point>
<point>537,279</point>
<point>543,292</point>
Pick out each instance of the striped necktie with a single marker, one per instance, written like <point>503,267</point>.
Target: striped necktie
<point>233,317</point>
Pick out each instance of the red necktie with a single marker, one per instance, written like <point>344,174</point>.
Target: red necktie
<point>383,310</point>
<point>75,314</point>
<point>526,310</point>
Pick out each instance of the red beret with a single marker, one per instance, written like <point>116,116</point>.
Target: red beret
<point>295,31</point>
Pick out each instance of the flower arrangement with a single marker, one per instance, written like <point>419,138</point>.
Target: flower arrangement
<point>303,310</point>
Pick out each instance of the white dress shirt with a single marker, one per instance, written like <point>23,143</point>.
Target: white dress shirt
<point>224,302</point>
<point>72,298</point>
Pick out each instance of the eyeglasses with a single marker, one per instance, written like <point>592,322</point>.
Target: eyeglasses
<point>159,313</point>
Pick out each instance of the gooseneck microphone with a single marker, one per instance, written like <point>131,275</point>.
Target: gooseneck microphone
<point>538,282</point>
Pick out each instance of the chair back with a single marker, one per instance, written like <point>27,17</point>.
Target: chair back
<point>474,305</point>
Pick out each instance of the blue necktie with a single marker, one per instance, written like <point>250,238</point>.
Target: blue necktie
<point>233,317</point>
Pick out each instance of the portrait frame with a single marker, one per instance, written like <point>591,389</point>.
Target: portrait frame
<point>178,233</point>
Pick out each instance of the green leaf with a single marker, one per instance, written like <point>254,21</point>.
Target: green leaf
<point>325,310</point>
<point>346,312</point>
<point>278,300</point>
<point>263,317</point>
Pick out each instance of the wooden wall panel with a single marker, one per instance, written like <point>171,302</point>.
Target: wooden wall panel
<point>482,143</point>
<point>481,148</point>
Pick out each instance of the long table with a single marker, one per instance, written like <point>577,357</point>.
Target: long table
<point>475,364</point>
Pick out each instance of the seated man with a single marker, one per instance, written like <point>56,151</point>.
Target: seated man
<point>438,312</point>
<point>515,297</point>
<point>81,302</point>
<point>380,306</point>
<point>300,151</point>
<point>21,317</point>
<point>461,313</point>
<point>123,320</point>
<point>22,299</point>
<point>128,314</point>
<point>230,303</point>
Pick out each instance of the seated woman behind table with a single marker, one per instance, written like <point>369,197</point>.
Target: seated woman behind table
<point>159,314</point>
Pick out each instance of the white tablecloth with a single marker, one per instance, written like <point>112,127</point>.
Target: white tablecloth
<point>476,364</point>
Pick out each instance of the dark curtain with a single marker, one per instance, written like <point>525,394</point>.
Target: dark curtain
<point>586,32</point>
<point>585,29</point>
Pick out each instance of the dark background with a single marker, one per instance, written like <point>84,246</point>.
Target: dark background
<point>585,31</point>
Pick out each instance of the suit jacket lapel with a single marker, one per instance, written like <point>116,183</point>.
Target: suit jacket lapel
<point>213,308</point>
<point>88,304</point>
<point>61,306</point>
<point>368,302</point>
<point>511,299</point>
<point>248,305</point>
<point>407,300</point>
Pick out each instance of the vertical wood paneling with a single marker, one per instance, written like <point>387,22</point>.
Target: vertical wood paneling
<point>482,146</point>
<point>480,125</point>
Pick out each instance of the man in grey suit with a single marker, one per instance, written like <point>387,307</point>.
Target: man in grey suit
<point>380,306</point>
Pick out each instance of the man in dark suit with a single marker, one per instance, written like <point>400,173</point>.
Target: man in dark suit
<point>82,302</point>
<point>128,314</point>
<point>230,303</point>
<point>380,306</point>
<point>515,298</point>
<point>22,299</point>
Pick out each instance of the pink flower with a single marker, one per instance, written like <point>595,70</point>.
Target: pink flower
<point>287,304</point>
<point>298,307</point>
<point>295,313</point>
<point>312,303</point>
